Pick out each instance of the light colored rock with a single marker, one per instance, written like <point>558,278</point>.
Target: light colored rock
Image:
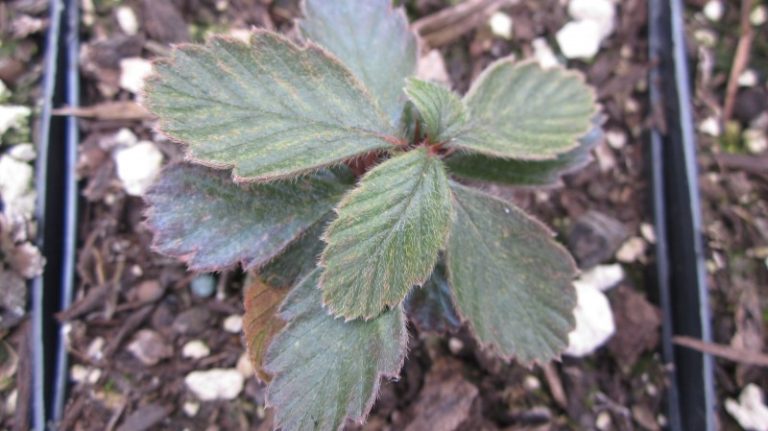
<point>133,72</point>
<point>714,10</point>
<point>617,139</point>
<point>245,366</point>
<point>84,375</point>
<point>750,410</point>
<point>95,350</point>
<point>759,15</point>
<point>594,321</point>
<point>233,324</point>
<point>191,408</point>
<point>705,37</point>
<point>711,126</point>
<point>124,138</point>
<point>137,166</point>
<point>431,67</point>
<point>601,12</point>
<point>13,117</point>
<point>501,25</point>
<point>11,402</point>
<point>241,34</point>
<point>632,250</point>
<point>215,384</point>
<point>16,187</point>
<point>748,78</point>
<point>755,140</point>
<point>126,19</point>
<point>603,421</point>
<point>149,347</point>
<point>544,54</point>
<point>531,383</point>
<point>579,39</point>
<point>195,349</point>
<point>23,152</point>
<point>455,345</point>
<point>601,277</point>
<point>648,232</point>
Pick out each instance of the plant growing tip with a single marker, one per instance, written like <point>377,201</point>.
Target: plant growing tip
<point>349,203</point>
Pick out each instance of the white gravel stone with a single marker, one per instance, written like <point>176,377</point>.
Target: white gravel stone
<point>755,140</point>
<point>617,139</point>
<point>137,166</point>
<point>195,349</point>
<point>126,19</point>
<point>23,152</point>
<point>133,73</point>
<point>748,78</point>
<point>750,410</point>
<point>245,366</point>
<point>233,324</point>
<point>13,117</point>
<point>713,10</point>
<point>544,54</point>
<point>191,408</point>
<point>579,39</point>
<point>602,277</point>
<point>632,250</point>
<point>16,187</point>
<point>431,67</point>
<point>711,126</point>
<point>215,384</point>
<point>501,25</point>
<point>594,321</point>
<point>759,15</point>
<point>601,12</point>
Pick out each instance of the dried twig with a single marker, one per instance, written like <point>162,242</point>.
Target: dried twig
<point>740,60</point>
<point>555,385</point>
<point>449,24</point>
<point>108,111</point>
<point>722,351</point>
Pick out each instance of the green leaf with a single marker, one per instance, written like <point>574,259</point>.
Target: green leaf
<point>442,111</point>
<point>370,38</point>
<point>327,370</point>
<point>430,307</point>
<point>510,279</point>
<point>522,111</point>
<point>269,108</point>
<point>525,172</point>
<point>387,235</point>
<point>201,217</point>
<point>298,260</point>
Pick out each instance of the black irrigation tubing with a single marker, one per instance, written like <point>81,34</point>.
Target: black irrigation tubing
<point>677,212</point>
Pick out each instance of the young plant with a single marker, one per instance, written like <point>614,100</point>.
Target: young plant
<point>346,199</point>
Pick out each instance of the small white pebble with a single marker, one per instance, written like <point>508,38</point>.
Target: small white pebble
<point>95,350</point>
<point>601,12</point>
<point>126,19</point>
<point>191,408</point>
<point>755,140</point>
<point>16,186</point>
<point>137,166</point>
<point>23,152</point>
<point>124,138</point>
<point>758,16</point>
<point>133,72</point>
<point>594,321</point>
<point>579,39</point>
<point>603,421</point>
<point>245,366</point>
<point>11,402</point>
<point>431,67</point>
<point>531,383</point>
<point>13,117</point>
<point>233,324</point>
<point>713,10</point>
<point>195,349</point>
<point>544,54</point>
<point>215,384</point>
<point>501,25</point>
<point>748,78</point>
<point>455,345</point>
<point>632,250</point>
<point>711,127</point>
<point>648,232</point>
<point>601,277</point>
<point>750,410</point>
<point>617,139</point>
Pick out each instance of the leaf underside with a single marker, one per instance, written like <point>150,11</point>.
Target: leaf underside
<point>442,111</point>
<point>201,217</point>
<point>387,235</point>
<point>525,172</point>
<point>521,111</point>
<point>430,307</point>
<point>269,108</point>
<point>511,281</point>
<point>370,38</point>
<point>325,370</point>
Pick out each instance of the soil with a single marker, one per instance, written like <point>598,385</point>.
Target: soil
<point>135,311</point>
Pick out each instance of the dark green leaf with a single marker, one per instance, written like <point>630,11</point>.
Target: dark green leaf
<point>521,111</point>
<point>370,38</point>
<point>269,108</point>
<point>511,280</point>
<point>298,260</point>
<point>525,172</point>
<point>387,235</point>
<point>200,216</point>
<point>327,370</point>
<point>442,111</point>
<point>430,307</point>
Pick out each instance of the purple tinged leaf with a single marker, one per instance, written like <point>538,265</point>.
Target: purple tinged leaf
<point>201,217</point>
<point>325,370</point>
<point>511,281</point>
<point>430,307</point>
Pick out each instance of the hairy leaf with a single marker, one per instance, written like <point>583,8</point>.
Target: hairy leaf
<point>523,112</point>
<point>387,235</point>
<point>201,217</point>
<point>525,172</point>
<point>326,370</point>
<point>510,279</point>
<point>298,260</point>
<point>430,307</point>
<point>442,111</point>
<point>269,108</point>
<point>261,321</point>
<point>370,38</point>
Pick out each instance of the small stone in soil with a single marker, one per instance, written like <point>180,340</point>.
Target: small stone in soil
<point>203,285</point>
<point>215,384</point>
<point>233,324</point>
<point>195,349</point>
<point>192,321</point>
<point>594,238</point>
<point>149,347</point>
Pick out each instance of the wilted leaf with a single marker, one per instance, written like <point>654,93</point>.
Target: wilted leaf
<point>511,281</point>
<point>441,109</point>
<point>327,370</point>
<point>261,322</point>
<point>430,307</point>
<point>525,172</point>
<point>269,108</point>
<point>387,235</point>
<point>200,216</point>
<point>370,38</point>
<point>522,111</point>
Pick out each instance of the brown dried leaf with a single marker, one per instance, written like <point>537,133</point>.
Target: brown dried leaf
<point>261,322</point>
